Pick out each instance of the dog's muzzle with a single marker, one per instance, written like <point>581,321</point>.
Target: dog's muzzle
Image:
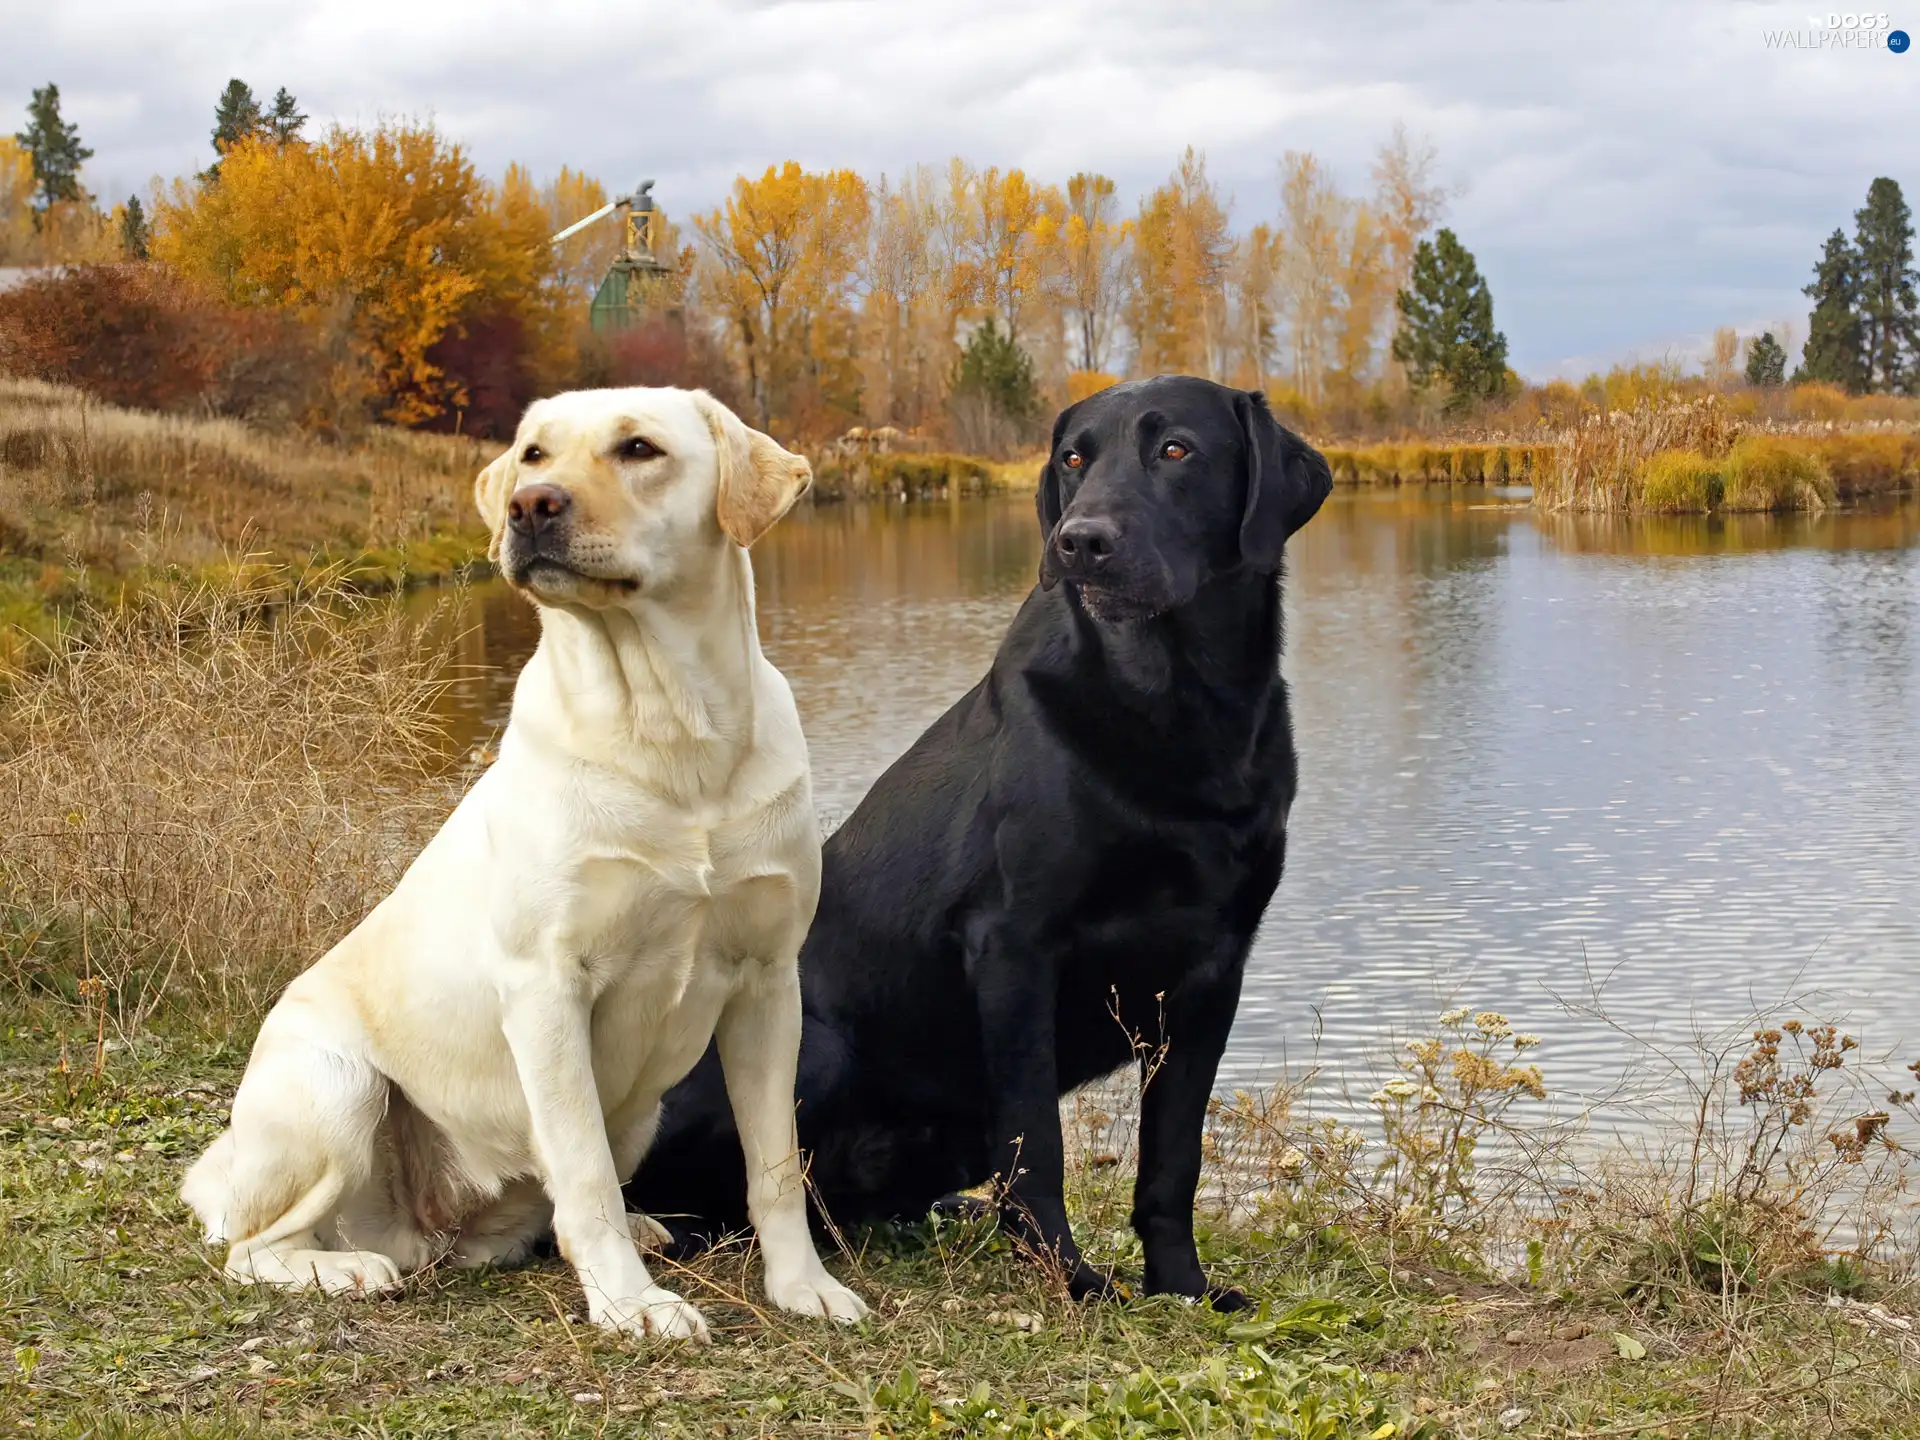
<point>538,529</point>
<point>1083,548</point>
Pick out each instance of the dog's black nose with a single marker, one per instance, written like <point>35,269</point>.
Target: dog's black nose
<point>1085,544</point>
<point>534,508</point>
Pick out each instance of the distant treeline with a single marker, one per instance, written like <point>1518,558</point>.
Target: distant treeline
<point>374,274</point>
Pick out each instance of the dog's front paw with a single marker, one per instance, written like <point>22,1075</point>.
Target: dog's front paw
<point>818,1295</point>
<point>337,1272</point>
<point>1087,1283</point>
<point>654,1311</point>
<point>1226,1299</point>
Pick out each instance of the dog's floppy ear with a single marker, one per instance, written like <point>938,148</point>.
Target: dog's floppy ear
<point>759,480</point>
<point>1046,500</point>
<point>491,492</point>
<point>1287,479</point>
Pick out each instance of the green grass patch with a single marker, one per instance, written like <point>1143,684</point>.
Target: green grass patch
<point>118,1321</point>
<point>1768,472</point>
<point>1678,482</point>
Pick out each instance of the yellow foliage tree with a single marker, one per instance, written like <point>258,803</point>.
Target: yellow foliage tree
<point>384,239</point>
<point>1313,223</point>
<point>786,248</point>
<point>1093,252</point>
<point>581,260</point>
<point>904,279</point>
<point>16,203</point>
<point>1010,245</point>
<point>1182,253</point>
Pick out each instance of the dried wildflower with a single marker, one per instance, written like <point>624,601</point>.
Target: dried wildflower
<point>1525,1041</point>
<point>1476,1072</point>
<point>1852,1145</point>
<point>1492,1022</point>
<point>1396,1089</point>
<point>1454,1017</point>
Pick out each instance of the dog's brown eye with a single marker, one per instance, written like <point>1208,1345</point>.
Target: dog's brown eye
<point>1173,450</point>
<point>1073,460</point>
<point>532,455</point>
<point>635,448</point>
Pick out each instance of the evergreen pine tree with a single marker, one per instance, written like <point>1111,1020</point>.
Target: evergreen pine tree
<point>1889,323</point>
<point>284,119</point>
<point>994,367</point>
<point>1446,333</point>
<point>1766,361</point>
<point>55,148</point>
<point>1833,351</point>
<point>134,232</point>
<point>235,117</point>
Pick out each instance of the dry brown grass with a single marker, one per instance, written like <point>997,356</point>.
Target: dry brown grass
<point>203,792</point>
<point>1705,455</point>
<point>1601,463</point>
<point>122,489</point>
<point>1437,462</point>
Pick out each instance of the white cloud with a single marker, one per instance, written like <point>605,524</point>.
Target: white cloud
<point>1634,174</point>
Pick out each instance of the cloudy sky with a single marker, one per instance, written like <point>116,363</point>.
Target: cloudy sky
<point>1630,174</point>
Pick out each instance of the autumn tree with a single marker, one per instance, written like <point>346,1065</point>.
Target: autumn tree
<point>1446,338</point>
<point>383,241</point>
<point>1093,255</point>
<point>1408,201</point>
<point>581,260</point>
<point>1722,357</point>
<point>17,216</point>
<point>1253,279</point>
<point>1365,300</point>
<point>1182,251</point>
<point>1312,224</point>
<point>53,146</point>
<point>787,247</point>
<point>1008,245</point>
<point>904,277</point>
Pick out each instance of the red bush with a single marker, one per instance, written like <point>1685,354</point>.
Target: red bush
<point>661,351</point>
<point>489,358</point>
<point>143,337</point>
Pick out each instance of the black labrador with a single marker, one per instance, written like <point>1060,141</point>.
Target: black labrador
<point>1064,874</point>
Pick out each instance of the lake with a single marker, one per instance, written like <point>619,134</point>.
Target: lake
<point>1612,778</point>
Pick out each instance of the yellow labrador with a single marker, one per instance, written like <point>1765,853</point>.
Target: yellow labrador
<point>483,1057</point>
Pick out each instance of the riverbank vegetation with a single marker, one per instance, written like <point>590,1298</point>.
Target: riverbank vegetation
<point>913,334</point>
<point>100,500</point>
<point>1703,456</point>
<point>204,801</point>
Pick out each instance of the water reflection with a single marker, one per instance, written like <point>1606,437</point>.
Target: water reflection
<point>1539,753</point>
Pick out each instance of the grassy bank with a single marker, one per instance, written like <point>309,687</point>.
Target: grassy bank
<point>1701,459</point>
<point>208,801</point>
<point>919,476</point>
<point>98,498</point>
<point>118,1322</point>
<point>1436,463</point>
